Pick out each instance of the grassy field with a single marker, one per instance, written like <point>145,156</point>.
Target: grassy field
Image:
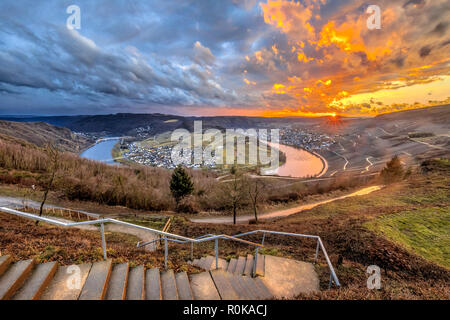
<point>403,228</point>
<point>425,231</point>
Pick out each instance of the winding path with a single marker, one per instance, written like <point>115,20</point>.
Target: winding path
<point>283,213</point>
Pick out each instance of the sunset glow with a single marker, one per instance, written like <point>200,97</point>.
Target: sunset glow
<point>250,57</point>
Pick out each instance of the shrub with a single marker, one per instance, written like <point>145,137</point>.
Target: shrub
<point>180,184</point>
<point>393,171</point>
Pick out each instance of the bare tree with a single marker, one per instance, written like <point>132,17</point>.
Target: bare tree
<point>52,169</point>
<point>235,191</point>
<point>255,189</point>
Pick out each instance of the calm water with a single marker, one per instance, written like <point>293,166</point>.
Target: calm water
<point>101,152</point>
<point>299,163</point>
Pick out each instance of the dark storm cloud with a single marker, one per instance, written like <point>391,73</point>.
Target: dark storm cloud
<point>148,55</point>
<point>424,51</point>
<point>440,29</point>
<point>141,52</point>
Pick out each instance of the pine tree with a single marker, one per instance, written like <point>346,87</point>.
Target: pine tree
<point>180,184</point>
<point>393,171</point>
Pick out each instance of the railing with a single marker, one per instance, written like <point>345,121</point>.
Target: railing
<point>181,239</point>
<point>165,229</point>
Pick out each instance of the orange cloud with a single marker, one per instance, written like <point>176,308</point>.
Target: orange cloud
<point>289,16</point>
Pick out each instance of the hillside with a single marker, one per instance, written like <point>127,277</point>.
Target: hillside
<point>437,114</point>
<point>41,133</point>
<point>437,117</point>
<point>403,228</point>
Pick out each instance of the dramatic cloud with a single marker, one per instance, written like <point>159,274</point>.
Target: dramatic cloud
<point>273,57</point>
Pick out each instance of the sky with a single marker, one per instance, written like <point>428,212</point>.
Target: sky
<point>235,57</point>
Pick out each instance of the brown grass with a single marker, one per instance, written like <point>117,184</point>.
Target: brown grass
<point>138,187</point>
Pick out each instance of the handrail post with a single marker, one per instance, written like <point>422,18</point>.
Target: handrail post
<point>331,281</point>
<point>102,230</point>
<point>255,261</point>
<point>263,237</point>
<point>216,245</point>
<point>317,252</point>
<point>192,251</point>
<point>165,252</point>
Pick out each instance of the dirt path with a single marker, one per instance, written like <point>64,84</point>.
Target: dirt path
<point>283,213</point>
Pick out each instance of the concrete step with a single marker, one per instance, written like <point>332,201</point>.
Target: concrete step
<point>208,263</point>
<point>36,283</point>
<point>240,266</point>
<point>287,278</point>
<point>196,262</point>
<point>136,282</point>
<point>152,284</point>
<point>117,288</point>
<point>14,277</point>
<point>169,285</point>
<point>183,286</point>
<point>260,265</point>
<point>248,265</point>
<point>242,291</point>
<point>252,287</point>
<point>232,265</point>
<point>223,264</point>
<point>5,261</point>
<point>263,290</point>
<point>223,285</point>
<point>200,262</point>
<point>203,287</point>
<point>97,281</point>
<point>67,282</point>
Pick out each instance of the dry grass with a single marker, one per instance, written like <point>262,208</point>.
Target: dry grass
<point>139,187</point>
<point>406,272</point>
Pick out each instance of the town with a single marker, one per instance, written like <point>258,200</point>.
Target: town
<point>160,156</point>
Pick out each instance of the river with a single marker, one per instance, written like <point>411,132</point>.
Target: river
<point>299,163</point>
<point>101,151</point>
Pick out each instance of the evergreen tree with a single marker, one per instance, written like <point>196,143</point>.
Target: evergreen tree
<point>393,171</point>
<point>180,184</point>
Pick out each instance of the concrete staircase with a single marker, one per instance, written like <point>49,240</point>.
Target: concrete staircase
<point>26,280</point>
<point>241,266</point>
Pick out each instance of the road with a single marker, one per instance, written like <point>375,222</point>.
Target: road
<point>282,213</point>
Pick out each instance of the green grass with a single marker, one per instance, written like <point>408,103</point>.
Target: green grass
<point>154,224</point>
<point>426,231</point>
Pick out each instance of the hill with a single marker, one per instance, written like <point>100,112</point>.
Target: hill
<point>437,114</point>
<point>41,133</point>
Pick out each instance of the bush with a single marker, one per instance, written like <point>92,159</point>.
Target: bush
<point>393,171</point>
<point>187,205</point>
<point>180,184</point>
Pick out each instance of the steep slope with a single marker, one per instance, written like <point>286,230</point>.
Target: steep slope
<point>41,133</point>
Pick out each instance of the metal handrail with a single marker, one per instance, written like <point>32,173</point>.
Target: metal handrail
<point>181,239</point>
<point>333,276</point>
<point>167,225</point>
